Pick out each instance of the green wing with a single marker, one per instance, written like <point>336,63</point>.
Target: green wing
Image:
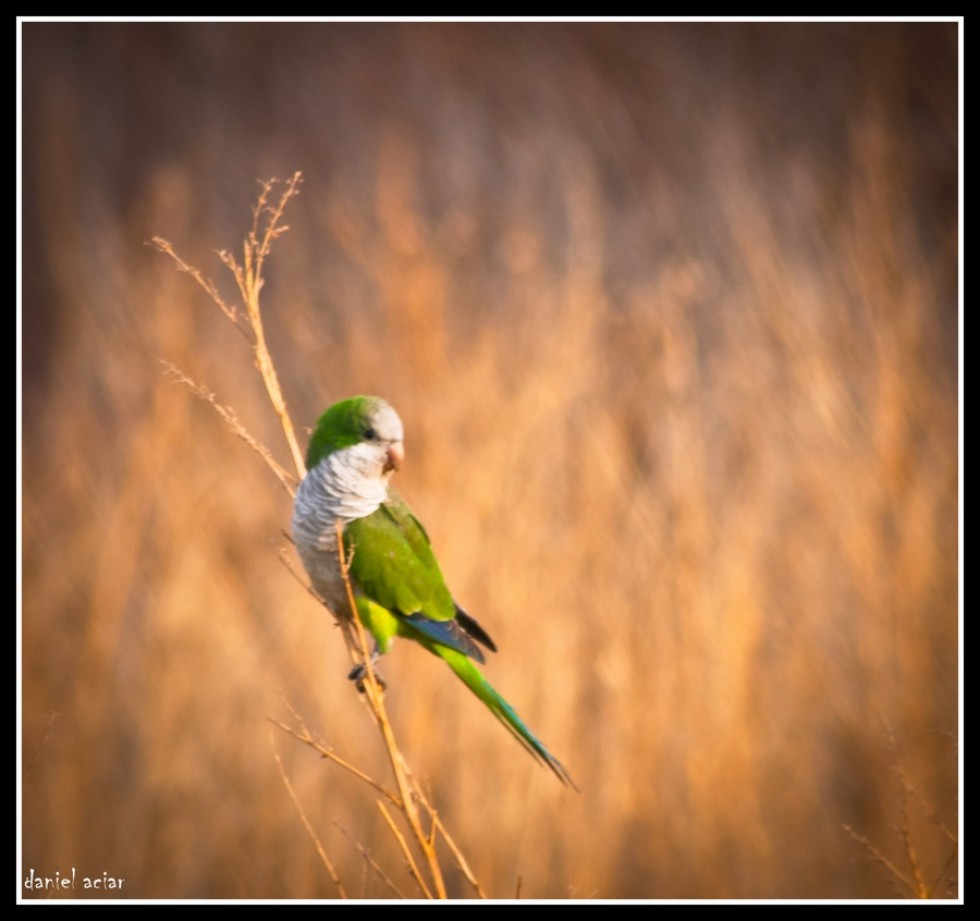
<point>393,566</point>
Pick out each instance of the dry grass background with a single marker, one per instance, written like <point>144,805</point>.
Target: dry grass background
<point>670,314</point>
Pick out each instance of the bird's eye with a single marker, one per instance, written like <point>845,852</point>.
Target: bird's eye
<point>370,434</point>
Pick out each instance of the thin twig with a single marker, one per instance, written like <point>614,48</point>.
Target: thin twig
<point>273,228</point>
<point>376,700</point>
<point>941,875</point>
<point>406,851</point>
<point>371,862</point>
<point>250,281</point>
<point>920,887</point>
<point>930,812</point>
<point>451,844</point>
<point>284,559</point>
<point>881,858</point>
<point>306,738</point>
<point>306,823</point>
<point>209,287</point>
<point>231,420</point>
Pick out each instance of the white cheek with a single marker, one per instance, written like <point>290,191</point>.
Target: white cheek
<point>362,459</point>
<point>353,476</point>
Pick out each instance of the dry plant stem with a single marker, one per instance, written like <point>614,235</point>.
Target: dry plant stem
<point>451,844</point>
<point>882,859</point>
<point>284,559</point>
<point>403,844</point>
<point>231,419</point>
<point>376,701</point>
<point>916,885</point>
<point>941,876</point>
<point>307,825</point>
<point>209,287</point>
<point>921,890</point>
<point>250,281</point>
<point>371,861</point>
<point>305,737</point>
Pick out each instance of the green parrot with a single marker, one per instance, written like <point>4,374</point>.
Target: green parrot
<point>398,587</point>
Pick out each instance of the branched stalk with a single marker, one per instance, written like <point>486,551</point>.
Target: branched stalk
<point>371,862</point>
<point>230,417</point>
<point>375,698</point>
<point>308,825</point>
<point>266,227</point>
<point>914,884</point>
<point>406,851</point>
<point>249,279</point>
<point>892,870</point>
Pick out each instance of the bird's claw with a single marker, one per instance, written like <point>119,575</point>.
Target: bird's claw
<point>358,675</point>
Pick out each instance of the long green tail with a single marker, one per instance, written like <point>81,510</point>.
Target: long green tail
<point>471,677</point>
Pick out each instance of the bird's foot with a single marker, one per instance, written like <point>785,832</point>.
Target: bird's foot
<point>358,675</point>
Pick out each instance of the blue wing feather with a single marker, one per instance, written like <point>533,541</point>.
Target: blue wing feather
<point>447,633</point>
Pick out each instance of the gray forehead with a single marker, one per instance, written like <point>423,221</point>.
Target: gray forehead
<point>386,422</point>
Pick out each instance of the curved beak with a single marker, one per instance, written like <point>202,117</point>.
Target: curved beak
<point>394,457</point>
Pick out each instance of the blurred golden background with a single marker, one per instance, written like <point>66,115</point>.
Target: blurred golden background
<point>670,314</point>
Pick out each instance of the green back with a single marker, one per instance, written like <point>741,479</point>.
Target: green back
<point>393,564</point>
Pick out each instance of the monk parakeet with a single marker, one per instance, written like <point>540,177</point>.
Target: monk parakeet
<point>398,587</point>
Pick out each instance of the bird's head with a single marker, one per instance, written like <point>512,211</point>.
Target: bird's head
<point>365,428</point>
